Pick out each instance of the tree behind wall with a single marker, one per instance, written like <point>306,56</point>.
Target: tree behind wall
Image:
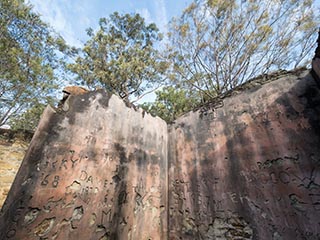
<point>216,45</point>
<point>120,57</point>
<point>171,103</point>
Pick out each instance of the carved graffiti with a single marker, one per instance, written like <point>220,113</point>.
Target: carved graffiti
<point>276,162</point>
<point>54,182</point>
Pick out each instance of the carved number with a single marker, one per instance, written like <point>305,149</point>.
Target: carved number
<point>45,181</point>
<point>55,181</point>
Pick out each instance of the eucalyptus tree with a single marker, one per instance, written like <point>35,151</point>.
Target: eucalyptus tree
<point>216,45</point>
<point>171,103</point>
<point>121,56</point>
<point>29,59</point>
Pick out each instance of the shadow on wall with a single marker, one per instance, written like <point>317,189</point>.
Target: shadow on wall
<point>251,168</point>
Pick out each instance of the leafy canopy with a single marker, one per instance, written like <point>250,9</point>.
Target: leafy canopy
<point>216,45</point>
<point>28,59</point>
<point>120,57</point>
<point>171,103</point>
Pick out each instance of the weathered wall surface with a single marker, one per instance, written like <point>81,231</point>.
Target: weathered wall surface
<point>96,171</point>
<point>251,168</point>
<point>246,167</point>
<point>12,150</point>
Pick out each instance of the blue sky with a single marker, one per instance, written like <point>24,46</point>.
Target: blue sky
<point>70,18</point>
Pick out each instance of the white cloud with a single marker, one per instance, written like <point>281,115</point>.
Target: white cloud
<point>71,18</point>
<point>57,14</point>
<point>146,15</point>
<point>161,16</point>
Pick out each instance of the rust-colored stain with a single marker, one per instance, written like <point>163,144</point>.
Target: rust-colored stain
<point>96,171</point>
<point>247,169</point>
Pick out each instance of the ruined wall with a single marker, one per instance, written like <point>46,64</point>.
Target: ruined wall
<point>96,171</point>
<point>244,167</point>
<point>250,168</point>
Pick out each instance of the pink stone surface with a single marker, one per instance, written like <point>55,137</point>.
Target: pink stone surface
<point>247,167</point>
<point>97,171</point>
<point>250,169</point>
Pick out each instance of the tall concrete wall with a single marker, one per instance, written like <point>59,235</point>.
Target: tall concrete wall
<point>244,167</point>
<point>251,168</point>
<point>96,171</point>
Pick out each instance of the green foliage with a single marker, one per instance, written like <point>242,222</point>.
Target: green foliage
<point>29,119</point>
<point>216,45</point>
<point>120,56</point>
<point>171,103</point>
<point>213,47</point>
<point>28,59</point>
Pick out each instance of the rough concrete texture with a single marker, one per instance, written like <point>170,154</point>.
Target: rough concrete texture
<point>97,171</point>
<point>249,169</point>
<point>12,150</point>
<point>243,167</point>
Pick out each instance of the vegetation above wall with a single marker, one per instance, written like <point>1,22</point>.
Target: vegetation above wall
<point>213,47</point>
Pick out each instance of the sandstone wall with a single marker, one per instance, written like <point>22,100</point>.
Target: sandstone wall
<point>250,168</point>
<point>96,171</point>
<point>244,167</point>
